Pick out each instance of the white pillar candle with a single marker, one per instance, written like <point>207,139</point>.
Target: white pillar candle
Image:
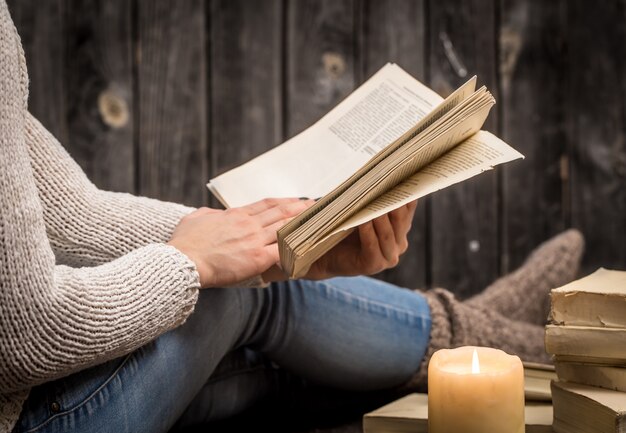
<point>475,390</point>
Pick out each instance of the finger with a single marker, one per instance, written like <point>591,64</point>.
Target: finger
<point>270,235</point>
<point>370,249</point>
<point>271,231</point>
<point>386,238</point>
<point>277,225</point>
<point>408,208</point>
<point>272,255</point>
<point>282,212</point>
<point>399,215</point>
<point>412,207</point>
<point>262,205</point>
<point>401,221</point>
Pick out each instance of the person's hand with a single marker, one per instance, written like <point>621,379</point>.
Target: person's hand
<point>372,248</point>
<point>230,246</point>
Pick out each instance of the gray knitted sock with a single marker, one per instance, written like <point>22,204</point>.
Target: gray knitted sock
<point>456,323</point>
<point>524,294</point>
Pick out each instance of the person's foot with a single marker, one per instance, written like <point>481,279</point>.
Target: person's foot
<point>524,293</point>
<point>456,323</point>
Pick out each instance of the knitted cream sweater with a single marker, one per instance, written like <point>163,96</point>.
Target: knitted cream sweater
<point>85,275</point>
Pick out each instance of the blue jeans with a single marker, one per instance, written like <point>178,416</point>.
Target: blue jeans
<point>239,347</point>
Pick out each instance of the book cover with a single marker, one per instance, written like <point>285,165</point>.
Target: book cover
<point>599,300</point>
<point>537,379</point>
<point>586,409</point>
<point>603,376</point>
<point>586,341</point>
<point>591,360</point>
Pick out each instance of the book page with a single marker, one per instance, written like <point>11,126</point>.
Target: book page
<point>460,101</point>
<point>480,152</point>
<point>396,168</point>
<point>299,245</point>
<point>318,159</point>
<point>602,281</point>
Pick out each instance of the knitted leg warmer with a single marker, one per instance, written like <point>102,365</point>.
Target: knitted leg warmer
<point>455,324</point>
<point>524,294</point>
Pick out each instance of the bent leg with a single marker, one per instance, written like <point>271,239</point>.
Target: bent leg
<point>357,334</point>
<point>351,333</point>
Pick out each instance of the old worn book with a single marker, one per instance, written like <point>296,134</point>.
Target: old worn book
<point>390,142</point>
<point>599,299</point>
<point>587,409</point>
<point>537,378</point>
<point>592,360</point>
<point>409,414</point>
<point>586,341</point>
<point>603,376</point>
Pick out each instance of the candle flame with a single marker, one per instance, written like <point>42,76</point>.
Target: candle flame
<point>475,363</point>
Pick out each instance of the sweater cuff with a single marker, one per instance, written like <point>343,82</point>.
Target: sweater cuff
<point>130,300</point>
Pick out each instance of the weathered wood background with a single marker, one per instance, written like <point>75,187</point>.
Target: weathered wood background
<point>155,97</point>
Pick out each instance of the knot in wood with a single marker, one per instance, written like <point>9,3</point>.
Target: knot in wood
<point>334,64</point>
<point>113,109</point>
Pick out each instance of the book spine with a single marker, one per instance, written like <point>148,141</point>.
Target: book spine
<point>586,341</point>
<point>607,377</point>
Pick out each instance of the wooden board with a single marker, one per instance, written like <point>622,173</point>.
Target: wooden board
<point>596,107</point>
<point>320,63</point>
<point>98,70</point>
<point>246,80</point>
<point>172,100</point>
<point>464,219</point>
<point>532,67</point>
<point>41,26</point>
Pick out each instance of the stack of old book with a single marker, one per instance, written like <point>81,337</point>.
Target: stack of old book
<point>587,337</point>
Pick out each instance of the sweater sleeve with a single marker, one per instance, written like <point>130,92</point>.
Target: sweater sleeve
<point>85,225</point>
<point>54,319</point>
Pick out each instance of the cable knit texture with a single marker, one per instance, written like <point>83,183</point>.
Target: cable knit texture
<point>87,226</point>
<point>512,306</point>
<point>456,324</point>
<point>124,288</point>
<point>524,293</point>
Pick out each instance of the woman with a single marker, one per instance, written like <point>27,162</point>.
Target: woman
<point>97,291</point>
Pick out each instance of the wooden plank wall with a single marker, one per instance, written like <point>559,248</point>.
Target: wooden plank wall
<point>155,97</point>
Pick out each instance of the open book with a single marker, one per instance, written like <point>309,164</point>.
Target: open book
<point>390,142</point>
